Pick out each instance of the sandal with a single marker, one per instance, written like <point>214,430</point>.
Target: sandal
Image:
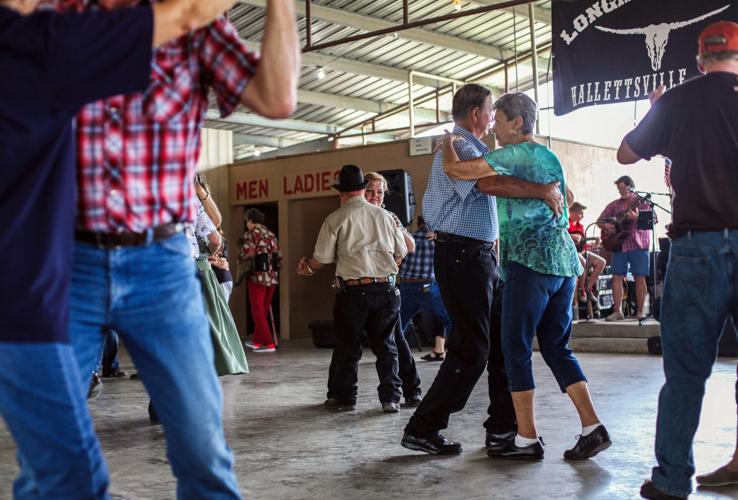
<point>434,356</point>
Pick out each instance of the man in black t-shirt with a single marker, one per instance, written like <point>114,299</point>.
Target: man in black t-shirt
<point>51,65</point>
<point>695,126</point>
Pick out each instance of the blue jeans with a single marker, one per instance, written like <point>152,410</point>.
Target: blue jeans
<point>44,406</point>
<point>151,296</point>
<point>700,291</point>
<point>417,296</point>
<point>537,304</point>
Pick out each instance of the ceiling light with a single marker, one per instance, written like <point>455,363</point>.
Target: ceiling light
<point>457,4</point>
<point>320,73</point>
<point>257,152</point>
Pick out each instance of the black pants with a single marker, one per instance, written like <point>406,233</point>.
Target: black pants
<point>466,272</point>
<point>501,412</point>
<point>407,370</point>
<point>376,309</point>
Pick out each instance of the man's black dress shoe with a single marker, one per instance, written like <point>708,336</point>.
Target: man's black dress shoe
<point>648,490</point>
<point>510,451</point>
<point>435,445</point>
<point>589,445</point>
<point>496,440</point>
<point>332,404</point>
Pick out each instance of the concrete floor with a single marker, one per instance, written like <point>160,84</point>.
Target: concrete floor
<point>288,447</point>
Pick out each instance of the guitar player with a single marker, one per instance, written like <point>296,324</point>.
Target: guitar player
<point>629,245</point>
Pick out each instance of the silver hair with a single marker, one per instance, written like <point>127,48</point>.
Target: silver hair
<point>712,57</point>
<point>519,104</point>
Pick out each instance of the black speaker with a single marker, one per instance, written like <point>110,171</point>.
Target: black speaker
<point>400,197</point>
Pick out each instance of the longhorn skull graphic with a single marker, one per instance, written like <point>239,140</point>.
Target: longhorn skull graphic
<point>657,35</point>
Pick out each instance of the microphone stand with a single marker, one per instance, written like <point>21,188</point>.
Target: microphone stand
<point>652,258</point>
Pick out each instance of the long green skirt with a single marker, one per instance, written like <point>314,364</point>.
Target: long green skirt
<point>229,355</point>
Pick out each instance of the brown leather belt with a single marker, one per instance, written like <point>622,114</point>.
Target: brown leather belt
<point>416,280</point>
<point>365,281</point>
<point>128,239</point>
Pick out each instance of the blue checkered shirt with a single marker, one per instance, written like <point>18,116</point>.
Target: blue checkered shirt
<point>419,264</point>
<point>457,207</point>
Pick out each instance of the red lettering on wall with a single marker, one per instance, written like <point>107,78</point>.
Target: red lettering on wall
<point>252,190</point>
<point>325,183</point>
<point>309,183</point>
<point>285,189</point>
<point>240,190</point>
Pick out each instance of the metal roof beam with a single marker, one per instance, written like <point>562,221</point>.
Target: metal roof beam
<point>369,24</point>
<point>542,15</point>
<point>250,120</point>
<point>240,139</point>
<point>338,101</point>
<point>356,67</point>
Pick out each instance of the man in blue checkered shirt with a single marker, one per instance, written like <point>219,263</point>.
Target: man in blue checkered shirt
<point>465,222</point>
<point>419,290</point>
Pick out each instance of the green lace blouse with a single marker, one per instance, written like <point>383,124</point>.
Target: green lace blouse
<point>530,234</point>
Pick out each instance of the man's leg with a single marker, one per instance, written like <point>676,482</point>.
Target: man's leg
<point>464,274</point>
<point>699,290</point>
<point>501,413</point>
<point>434,302</point>
<point>349,317</point>
<point>639,266</point>
<point>407,370</point>
<point>110,365</point>
<point>158,309</point>
<point>43,404</point>
<point>381,322</point>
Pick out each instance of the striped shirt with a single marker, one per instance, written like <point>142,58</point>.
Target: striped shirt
<point>457,207</point>
<point>419,264</point>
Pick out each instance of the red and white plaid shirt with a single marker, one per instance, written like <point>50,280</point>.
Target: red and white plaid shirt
<point>137,154</point>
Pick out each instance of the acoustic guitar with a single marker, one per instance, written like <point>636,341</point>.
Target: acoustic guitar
<point>613,241</point>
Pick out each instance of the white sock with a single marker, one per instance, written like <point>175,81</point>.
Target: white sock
<point>586,431</point>
<point>522,442</point>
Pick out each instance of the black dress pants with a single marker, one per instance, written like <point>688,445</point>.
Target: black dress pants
<point>376,309</point>
<point>407,370</point>
<point>501,412</point>
<point>466,271</point>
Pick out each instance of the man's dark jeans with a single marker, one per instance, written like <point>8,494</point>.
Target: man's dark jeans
<point>376,309</point>
<point>501,413</point>
<point>407,370</point>
<point>466,271</point>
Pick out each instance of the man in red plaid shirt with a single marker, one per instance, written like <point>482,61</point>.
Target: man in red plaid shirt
<point>137,155</point>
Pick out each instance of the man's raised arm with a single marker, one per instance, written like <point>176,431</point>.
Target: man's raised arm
<point>174,18</point>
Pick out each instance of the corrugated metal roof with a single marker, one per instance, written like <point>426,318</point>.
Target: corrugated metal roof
<point>497,32</point>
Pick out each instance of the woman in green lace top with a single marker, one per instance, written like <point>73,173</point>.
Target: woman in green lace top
<point>539,263</point>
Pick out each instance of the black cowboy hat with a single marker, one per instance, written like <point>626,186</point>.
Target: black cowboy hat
<point>350,178</point>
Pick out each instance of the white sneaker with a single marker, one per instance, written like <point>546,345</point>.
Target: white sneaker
<point>616,316</point>
<point>265,348</point>
<point>251,345</point>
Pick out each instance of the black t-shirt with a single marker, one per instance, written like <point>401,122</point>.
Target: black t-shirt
<point>696,126</point>
<point>50,66</point>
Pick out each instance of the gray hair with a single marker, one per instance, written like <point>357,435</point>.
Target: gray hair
<point>519,104</point>
<point>713,57</point>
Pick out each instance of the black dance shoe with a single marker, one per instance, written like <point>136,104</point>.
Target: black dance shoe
<point>511,451</point>
<point>589,445</point>
<point>435,445</point>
